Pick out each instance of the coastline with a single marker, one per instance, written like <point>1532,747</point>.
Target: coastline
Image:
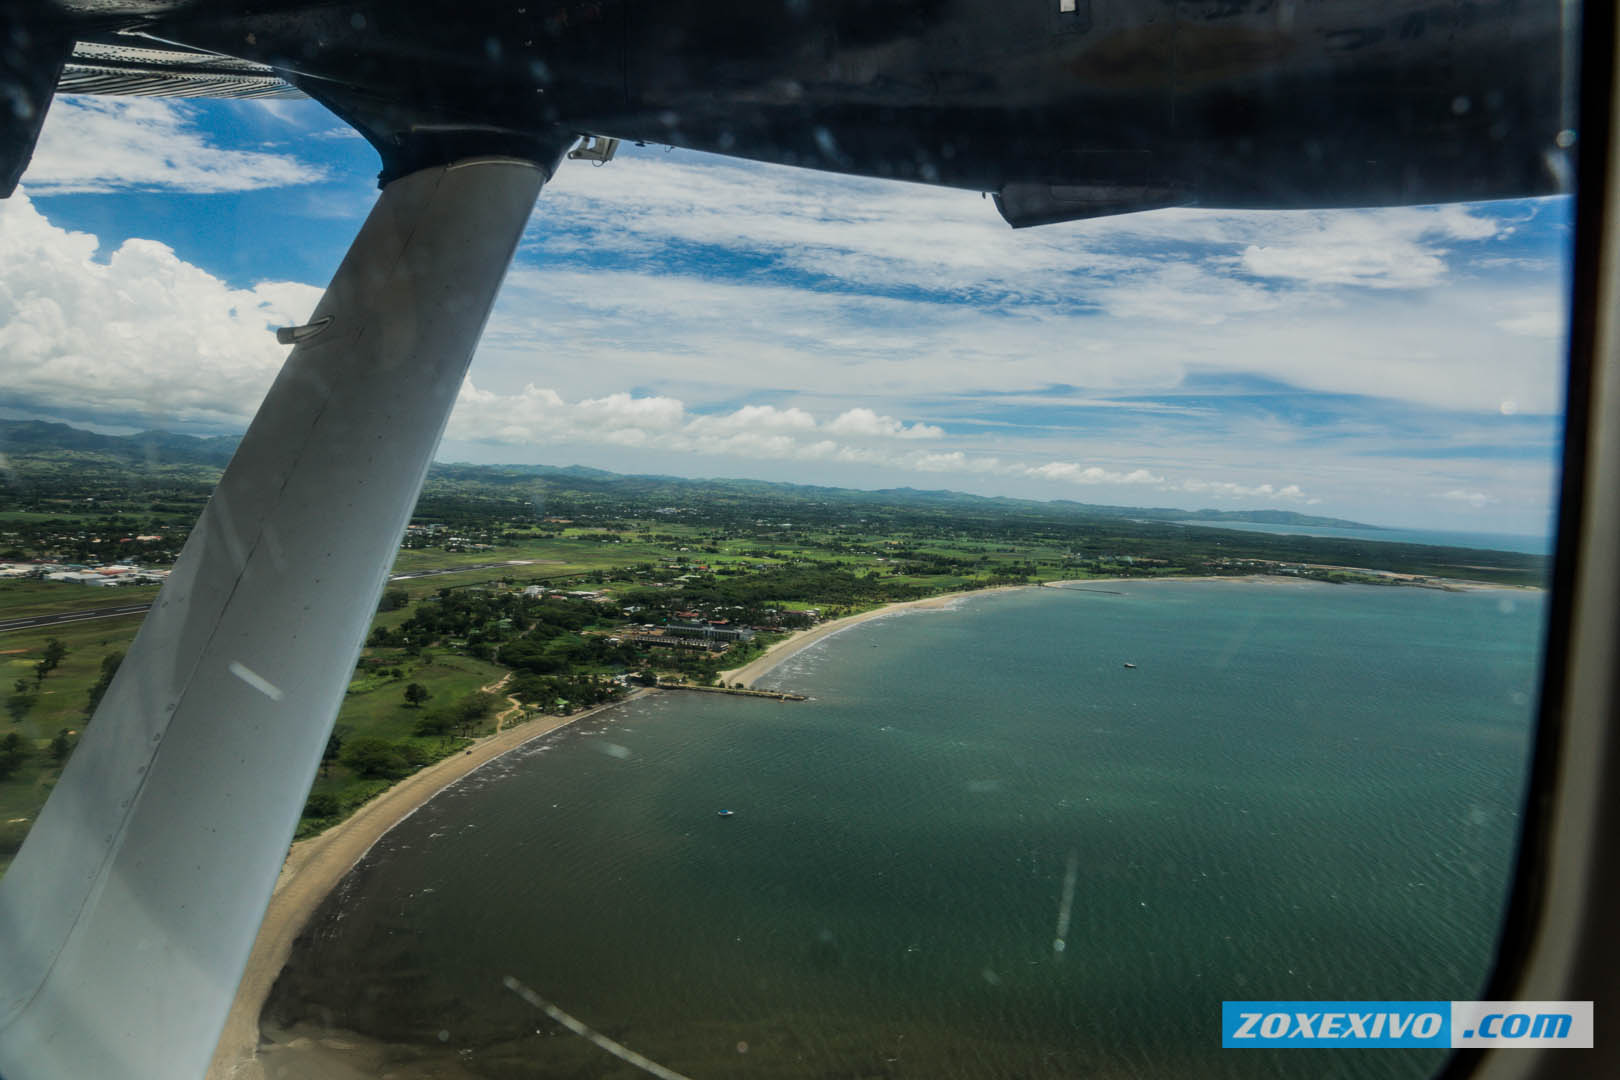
<point>1396,580</point>
<point>783,650</point>
<point>314,867</point>
<point>803,639</point>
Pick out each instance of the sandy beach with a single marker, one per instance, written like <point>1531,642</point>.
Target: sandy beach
<point>1404,580</point>
<point>801,639</point>
<point>315,866</point>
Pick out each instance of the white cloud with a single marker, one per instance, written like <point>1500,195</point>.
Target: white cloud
<point>1073,473</point>
<point>146,144</point>
<point>540,415</point>
<point>879,293</point>
<point>1229,490</point>
<point>881,234</point>
<point>861,422</point>
<point>144,334</point>
<point>755,418</point>
<point>884,331</point>
<point>1477,499</point>
<point>1401,248</point>
<point>754,433</point>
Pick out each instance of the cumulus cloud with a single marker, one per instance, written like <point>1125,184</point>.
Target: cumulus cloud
<point>541,415</point>
<point>1230,490</point>
<point>767,433</point>
<point>1401,248</point>
<point>144,337</point>
<point>1074,473</point>
<point>92,144</point>
<point>142,334</point>
<point>870,326</point>
<point>865,423</point>
<point>755,418</point>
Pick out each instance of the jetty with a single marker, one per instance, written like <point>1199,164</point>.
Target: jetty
<point>774,695</point>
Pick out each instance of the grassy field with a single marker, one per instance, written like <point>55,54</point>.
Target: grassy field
<point>63,695</point>
<point>20,599</point>
<point>59,704</point>
<point>374,707</point>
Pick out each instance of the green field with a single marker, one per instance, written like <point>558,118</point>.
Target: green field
<point>22,598</point>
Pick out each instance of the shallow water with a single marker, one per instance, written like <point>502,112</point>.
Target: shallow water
<point>1301,792</point>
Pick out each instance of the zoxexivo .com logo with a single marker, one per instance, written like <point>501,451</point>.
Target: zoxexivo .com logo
<point>1273,1024</point>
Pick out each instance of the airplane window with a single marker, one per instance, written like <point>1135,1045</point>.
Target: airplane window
<point>839,634</point>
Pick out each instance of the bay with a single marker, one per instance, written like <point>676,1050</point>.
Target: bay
<point>1300,791</point>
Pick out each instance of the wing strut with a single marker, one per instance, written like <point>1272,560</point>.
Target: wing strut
<point>128,915</point>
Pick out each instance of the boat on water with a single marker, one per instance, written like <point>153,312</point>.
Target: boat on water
<point>725,813</point>
<point>1131,666</point>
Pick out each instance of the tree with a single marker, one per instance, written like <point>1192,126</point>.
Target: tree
<point>334,747</point>
<point>109,668</point>
<point>13,752</point>
<point>374,758</point>
<point>61,746</point>
<point>18,704</point>
<point>476,709</point>
<point>52,658</point>
<point>321,804</point>
<point>415,694</point>
<point>463,716</point>
<point>437,722</point>
<point>394,599</point>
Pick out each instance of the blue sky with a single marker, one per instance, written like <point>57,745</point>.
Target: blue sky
<point>677,313</point>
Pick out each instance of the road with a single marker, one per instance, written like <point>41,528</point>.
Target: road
<point>33,622</point>
<point>461,569</point>
<point>60,617</point>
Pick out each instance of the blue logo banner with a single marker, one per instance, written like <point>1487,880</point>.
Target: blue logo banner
<point>1497,1024</point>
<point>1274,1024</point>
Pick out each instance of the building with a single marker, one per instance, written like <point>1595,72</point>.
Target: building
<point>709,632</point>
<point>82,577</point>
<point>665,639</point>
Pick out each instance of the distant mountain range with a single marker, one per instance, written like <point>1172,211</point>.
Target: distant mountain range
<point>21,440</point>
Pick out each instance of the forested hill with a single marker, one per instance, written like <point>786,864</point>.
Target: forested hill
<point>49,454</point>
<point>37,440</point>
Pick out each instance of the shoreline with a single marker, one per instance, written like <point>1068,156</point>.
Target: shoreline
<point>802,639</point>
<point>315,865</point>
<point>1397,580</point>
<point>799,640</point>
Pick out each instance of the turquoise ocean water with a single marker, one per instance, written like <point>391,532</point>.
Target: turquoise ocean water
<point>1300,792</point>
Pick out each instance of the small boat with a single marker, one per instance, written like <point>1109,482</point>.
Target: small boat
<point>1131,666</point>
<point>726,813</point>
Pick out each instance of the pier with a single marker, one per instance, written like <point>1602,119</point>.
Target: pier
<point>774,695</point>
